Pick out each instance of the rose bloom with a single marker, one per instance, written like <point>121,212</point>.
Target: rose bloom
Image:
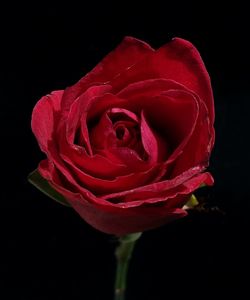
<point>128,144</point>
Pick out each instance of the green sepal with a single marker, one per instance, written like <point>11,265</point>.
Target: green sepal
<point>42,185</point>
<point>202,185</point>
<point>192,202</point>
<point>129,238</point>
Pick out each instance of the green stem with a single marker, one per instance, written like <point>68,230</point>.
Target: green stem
<point>123,254</point>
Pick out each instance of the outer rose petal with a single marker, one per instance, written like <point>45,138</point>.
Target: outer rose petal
<point>177,60</point>
<point>126,54</point>
<point>45,118</point>
<point>167,195</point>
<point>181,55</point>
<point>120,221</point>
<point>59,176</point>
<point>198,149</point>
<point>168,188</point>
<point>124,218</point>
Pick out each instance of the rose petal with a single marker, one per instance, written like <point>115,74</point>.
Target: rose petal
<point>159,186</point>
<point>120,221</point>
<point>127,53</point>
<point>78,113</point>
<point>171,107</point>
<point>99,186</point>
<point>83,183</point>
<point>58,167</point>
<point>101,104</point>
<point>181,55</point>
<point>174,114</point>
<point>102,134</point>
<point>147,88</point>
<point>167,194</point>
<point>177,60</point>
<point>45,118</point>
<point>155,147</point>
<point>124,114</point>
<point>198,149</point>
<point>127,156</point>
<point>130,97</point>
<point>96,165</point>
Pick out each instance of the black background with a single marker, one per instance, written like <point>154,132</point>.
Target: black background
<point>48,251</point>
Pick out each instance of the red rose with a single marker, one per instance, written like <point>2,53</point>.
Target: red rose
<point>127,145</point>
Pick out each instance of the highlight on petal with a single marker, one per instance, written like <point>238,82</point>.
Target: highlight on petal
<point>157,187</point>
<point>168,193</point>
<point>117,113</point>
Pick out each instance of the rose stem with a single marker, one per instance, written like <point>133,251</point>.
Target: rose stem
<point>123,254</point>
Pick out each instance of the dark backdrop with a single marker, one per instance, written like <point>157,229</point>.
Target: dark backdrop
<point>48,251</point>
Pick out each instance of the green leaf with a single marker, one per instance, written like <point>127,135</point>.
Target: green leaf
<point>42,184</point>
<point>192,202</point>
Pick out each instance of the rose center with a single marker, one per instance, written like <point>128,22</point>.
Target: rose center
<point>120,132</point>
<point>118,128</point>
<point>123,134</point>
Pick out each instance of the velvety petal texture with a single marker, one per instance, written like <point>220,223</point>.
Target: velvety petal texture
<point>129,143</point>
